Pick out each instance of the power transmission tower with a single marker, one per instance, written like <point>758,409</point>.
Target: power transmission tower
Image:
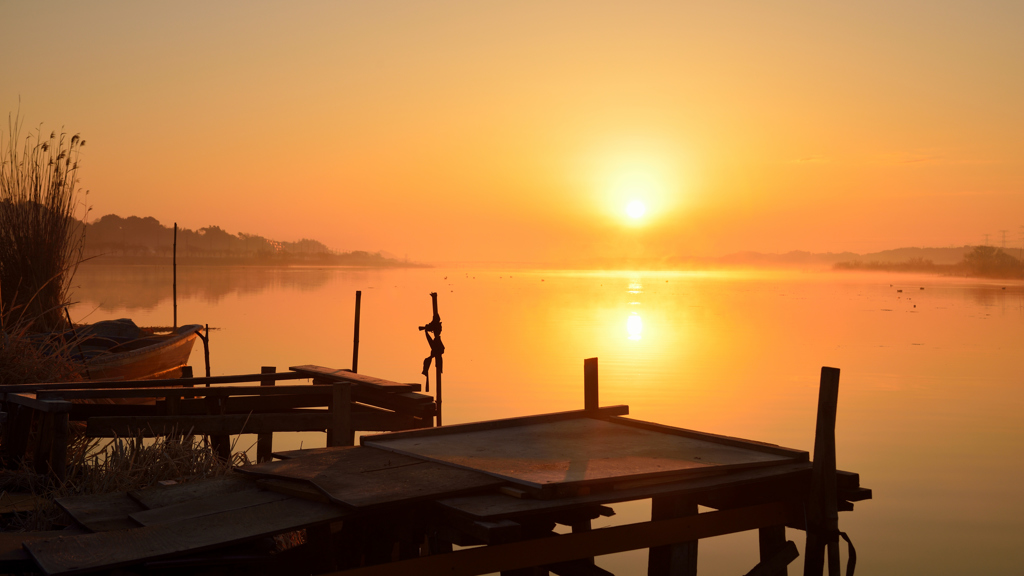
<point>1003,233</point>
<point>986,239</point>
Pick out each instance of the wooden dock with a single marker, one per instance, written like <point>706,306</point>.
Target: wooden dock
<point>411,502</point>
<point>338,402</point>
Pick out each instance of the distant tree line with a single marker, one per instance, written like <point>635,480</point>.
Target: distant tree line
<point>982,262</point>
<point>136,238</point>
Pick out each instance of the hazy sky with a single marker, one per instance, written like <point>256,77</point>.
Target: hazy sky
<point>520,131</point>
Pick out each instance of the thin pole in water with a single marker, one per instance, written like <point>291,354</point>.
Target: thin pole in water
<point>355,339</point>
<point>174,268</point>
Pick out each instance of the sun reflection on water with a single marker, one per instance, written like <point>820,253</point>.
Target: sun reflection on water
<point>634,326</point>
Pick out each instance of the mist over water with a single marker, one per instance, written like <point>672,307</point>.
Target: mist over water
<point>931,391</point>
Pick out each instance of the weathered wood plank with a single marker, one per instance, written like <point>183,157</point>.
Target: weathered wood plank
<point>102,512</point>
<point>364,477</point>
<point>36,403</point>
<point>107,550</point>
<point>155,383</point>
<point>183,392</point>
<point>151,426</point>
<point>354,378</point>
<point>568,547</point>
<point>160,496</point>
<point>289,454</point>
<point>199,507</point>
<point>15,559</point>
<point>297,488</point>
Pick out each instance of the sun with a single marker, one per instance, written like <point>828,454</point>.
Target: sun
<point>636,209</point>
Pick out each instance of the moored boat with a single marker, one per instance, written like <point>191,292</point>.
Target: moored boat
<point>120,350</point>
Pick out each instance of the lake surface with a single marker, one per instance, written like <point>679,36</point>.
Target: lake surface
<point>931,402</point>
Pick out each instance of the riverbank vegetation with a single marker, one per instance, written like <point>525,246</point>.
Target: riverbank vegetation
<point>41,239</point>
<point>980,262</point>
<point>41,246</point>
<point>134,240</point>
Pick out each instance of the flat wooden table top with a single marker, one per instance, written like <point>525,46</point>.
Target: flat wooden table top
<point>577,451</point>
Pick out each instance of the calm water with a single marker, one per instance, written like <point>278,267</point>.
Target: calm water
<point>931,391</point>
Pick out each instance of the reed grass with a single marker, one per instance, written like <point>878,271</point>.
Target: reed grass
<point>41,240</point>
<point>118,465</point>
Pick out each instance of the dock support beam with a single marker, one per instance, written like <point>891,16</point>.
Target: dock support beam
<point>265,440</point>
<point>341,433</point>
<point>675,559</point>
<point>355,337</point>
<point>822,507</point>
<point>590,388</point>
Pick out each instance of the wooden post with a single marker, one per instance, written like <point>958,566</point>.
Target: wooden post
<point>822,507</point>
<point>174,272</point>
<point>437,395</point>
<point>341,433</point>
<point>590,395</point>
<point>206,351</point>
<point>355,339</point>
<point>675,559</point>
<point>265,440</point>
<point>771,540</point>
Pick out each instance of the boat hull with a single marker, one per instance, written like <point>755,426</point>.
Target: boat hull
<point>161,357</point>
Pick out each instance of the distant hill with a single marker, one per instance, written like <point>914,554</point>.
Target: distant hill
<point>976,261</point>
<point>113,239</point>
<point>799,258</point>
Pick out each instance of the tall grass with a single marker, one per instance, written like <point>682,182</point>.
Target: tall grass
<point>119,465</point>
<point>41,240</point>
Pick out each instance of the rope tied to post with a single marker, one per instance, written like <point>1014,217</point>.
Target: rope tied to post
<point>436,346</point>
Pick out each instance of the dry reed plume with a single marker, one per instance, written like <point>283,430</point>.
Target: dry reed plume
<point>41,240</point>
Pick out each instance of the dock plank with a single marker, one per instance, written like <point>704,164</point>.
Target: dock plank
<point>13,556</point>
<point>314,371</point>
<point>161,496</point>
<point>363,477</point>
<point>107,550</point>
<point>253,496</point>
<point>102,512</point>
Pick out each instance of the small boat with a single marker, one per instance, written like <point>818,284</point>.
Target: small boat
<point>120,350</point>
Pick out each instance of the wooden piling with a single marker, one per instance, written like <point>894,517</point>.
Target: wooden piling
<point>206,351</point>
<point>341,433</point>
<point>678,559</point>
<point>174,272</point>
<point>355,338</point>
<point>590,388</point>
<point>265,440</point>
<point>822,507</point>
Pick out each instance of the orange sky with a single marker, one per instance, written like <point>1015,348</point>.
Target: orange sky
<point>519,131</point>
